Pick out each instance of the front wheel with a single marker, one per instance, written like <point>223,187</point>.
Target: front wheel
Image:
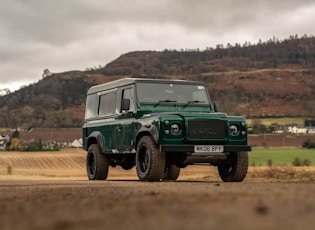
<point>150,162</point>
<point>234,169</point>
<point>96,163</point>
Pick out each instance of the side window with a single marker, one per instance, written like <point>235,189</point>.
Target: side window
<point>128,94</point>
<point>107,104</point>
<point>91,108</point>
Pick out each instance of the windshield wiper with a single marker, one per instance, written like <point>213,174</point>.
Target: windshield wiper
<point>164,101</point>
<point>193,102</point>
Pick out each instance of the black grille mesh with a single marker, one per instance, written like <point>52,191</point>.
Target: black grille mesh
<point>200,129</point>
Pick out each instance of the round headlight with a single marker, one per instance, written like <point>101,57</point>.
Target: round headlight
<point>175,129</point>
<point>233,130</point>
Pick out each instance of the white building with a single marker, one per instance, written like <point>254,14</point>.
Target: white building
<point>297,130</point>
<point>3,140</point>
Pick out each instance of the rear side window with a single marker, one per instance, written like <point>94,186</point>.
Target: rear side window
<point>91,109</point>
<point>107,104</point>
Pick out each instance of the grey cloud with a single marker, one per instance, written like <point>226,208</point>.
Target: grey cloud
<point>62,35</point>
<point>60,22</point>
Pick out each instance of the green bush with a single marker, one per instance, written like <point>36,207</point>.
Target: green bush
<point>307,162</point>
<point>308,144</point>
<point>298,162</point>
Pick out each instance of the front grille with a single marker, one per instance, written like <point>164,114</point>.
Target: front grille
<point>203,129</point>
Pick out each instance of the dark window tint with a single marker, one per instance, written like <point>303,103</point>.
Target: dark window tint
<point>128,94</point>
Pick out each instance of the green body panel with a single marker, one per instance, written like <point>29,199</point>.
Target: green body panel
<point>118,133</point>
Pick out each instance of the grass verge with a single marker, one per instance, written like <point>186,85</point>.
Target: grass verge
<point>280,156</point>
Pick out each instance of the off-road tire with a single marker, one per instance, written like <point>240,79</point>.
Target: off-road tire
<point>96,163</point>
<point>150,162</point>
<point>234,169</point>
<point>171,172</point>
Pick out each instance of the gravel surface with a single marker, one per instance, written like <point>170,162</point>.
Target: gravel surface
<point>130,204</point>
<point>51,191</point>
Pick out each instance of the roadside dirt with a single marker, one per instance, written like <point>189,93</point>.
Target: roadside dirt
<point>47,194</point>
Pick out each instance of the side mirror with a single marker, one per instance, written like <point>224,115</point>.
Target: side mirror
<point>125,104</point>
<point>215,107</point>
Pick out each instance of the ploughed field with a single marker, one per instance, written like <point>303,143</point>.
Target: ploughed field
<point>51,191</point>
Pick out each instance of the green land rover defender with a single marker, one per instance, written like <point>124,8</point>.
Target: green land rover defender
<point>160,126</point>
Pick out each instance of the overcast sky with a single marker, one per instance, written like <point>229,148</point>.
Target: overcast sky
<point>64,35</point>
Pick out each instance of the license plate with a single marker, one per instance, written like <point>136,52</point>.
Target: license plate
<point>208,148</point>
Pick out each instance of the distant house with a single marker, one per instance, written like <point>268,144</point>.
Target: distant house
<point>288,127</point>
<point>278,128</point>
<point>294,129</point>
<point>279,131</point>
<point>3,141</point>
<point>50,137</point>
<point>2,145</point>
<point>311,130</point>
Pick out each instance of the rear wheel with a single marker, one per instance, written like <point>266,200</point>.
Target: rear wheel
<point>96,163</point>
<point>171,172</point>
<point>234,169</point>
<point>150,162</point>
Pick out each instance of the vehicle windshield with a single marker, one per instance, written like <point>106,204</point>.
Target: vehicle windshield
<point>174,93</point>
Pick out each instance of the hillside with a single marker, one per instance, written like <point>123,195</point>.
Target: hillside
<point>53,102</point>
<point>272,78</point>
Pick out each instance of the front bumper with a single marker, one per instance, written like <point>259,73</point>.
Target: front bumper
<point>190,148</point>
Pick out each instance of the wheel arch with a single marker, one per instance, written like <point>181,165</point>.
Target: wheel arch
<point>96,138</point>
<point>148,131</point>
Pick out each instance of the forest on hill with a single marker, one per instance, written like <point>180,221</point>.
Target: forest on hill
<point>269,79</point>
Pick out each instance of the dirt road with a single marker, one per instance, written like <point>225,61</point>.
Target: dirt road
<point>36,204</point>
<point>51,191</point>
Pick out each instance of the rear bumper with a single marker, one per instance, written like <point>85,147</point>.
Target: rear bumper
<point>190,148</point>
